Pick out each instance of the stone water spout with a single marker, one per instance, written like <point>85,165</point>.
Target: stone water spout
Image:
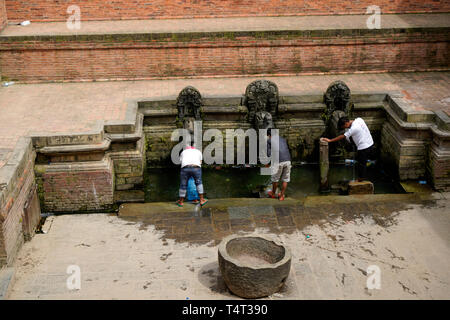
<point>189,104</point>
<point>338,102</point>
<point>261,99</point>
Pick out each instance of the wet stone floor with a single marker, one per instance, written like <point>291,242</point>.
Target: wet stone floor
<point>206,224</point>
<point>172,253</point>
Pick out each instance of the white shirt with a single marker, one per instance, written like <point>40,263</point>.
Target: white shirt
<point>191,157</point>
<point>360,134</point>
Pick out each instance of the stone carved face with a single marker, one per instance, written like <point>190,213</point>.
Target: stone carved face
<point>261,96</point>
<point>189,103</point>
<point>337,97</point>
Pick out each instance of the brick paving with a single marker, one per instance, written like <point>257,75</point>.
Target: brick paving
<point>77,107</point>
<point>174,255</point>
<point>229,24</point>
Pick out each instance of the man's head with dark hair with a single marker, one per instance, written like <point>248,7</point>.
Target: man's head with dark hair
<point>272,132</point>
<point>343,122</point>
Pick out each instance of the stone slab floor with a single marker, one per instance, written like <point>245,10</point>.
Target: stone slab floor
<point>165,256</point>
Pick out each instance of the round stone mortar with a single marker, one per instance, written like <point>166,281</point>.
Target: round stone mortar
<point>253,266</point>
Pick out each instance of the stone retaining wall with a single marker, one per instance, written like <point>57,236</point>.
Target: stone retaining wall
<point>416,144</point>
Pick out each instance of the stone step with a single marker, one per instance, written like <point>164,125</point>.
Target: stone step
<point>362,187</point>
<point>81,148</point>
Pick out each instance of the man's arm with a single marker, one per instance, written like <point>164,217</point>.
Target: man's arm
<point>334,139</point>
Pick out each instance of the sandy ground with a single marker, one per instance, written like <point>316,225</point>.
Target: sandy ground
<point>120,259</point>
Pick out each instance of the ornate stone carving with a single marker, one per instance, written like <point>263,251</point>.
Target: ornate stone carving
<point>189,103</point>
<point>263,120</point>
<point>338,103</point>
<point>337,98</point>
<point>261,100</point>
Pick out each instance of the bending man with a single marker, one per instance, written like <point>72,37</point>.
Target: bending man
<point>191,166</point>
<point>360,133</point>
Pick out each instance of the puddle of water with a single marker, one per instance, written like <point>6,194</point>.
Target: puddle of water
<point>163,184</point>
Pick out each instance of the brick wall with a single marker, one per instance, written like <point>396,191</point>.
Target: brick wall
<point>76,186</point>
<point>129,167</point>
<point>117,59</point>
<point>12,203</point>
<point>53,10</point>
<point>3,18</point>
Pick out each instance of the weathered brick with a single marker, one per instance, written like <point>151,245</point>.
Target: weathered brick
<point>45,10</point>
<point>133,59</point>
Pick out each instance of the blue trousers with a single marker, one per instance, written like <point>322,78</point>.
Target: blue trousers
<point>185,174</point>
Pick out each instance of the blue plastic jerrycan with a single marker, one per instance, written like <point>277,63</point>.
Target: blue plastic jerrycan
<point>191,193</point>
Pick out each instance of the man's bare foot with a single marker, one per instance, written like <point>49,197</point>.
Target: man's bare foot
<point>203,202</point>
<point>179,203</point>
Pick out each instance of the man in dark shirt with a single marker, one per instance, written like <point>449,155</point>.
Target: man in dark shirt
<point>283,168</point>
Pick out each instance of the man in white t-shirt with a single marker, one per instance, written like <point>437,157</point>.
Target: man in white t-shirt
<point>360,134</point>
<point>191,166</point>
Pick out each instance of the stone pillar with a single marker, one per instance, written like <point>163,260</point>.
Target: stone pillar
<point>324,165</point>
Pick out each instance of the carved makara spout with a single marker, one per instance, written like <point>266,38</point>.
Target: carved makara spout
<point>189,103</point>
<point>263,120</point>
<point>261,100</point>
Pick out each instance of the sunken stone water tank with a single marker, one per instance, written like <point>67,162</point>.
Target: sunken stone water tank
<point>253,266</point>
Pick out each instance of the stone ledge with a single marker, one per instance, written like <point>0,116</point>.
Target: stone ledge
<point>7,277</point>
<point>300,103</point>
<point>442,120</point>
<point>129,137</point>
<point>408,114</point>
<point>74,166</point>
<point>13,169</point>
<point>103,146</point>
<point>127,125</point>
<point>187,29</point>
<point>44,139</point>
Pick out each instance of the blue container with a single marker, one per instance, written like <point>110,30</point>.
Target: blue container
<point>192,193</point>
<point>349,162</point>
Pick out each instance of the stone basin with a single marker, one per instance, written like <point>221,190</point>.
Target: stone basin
<point>253,266</point>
